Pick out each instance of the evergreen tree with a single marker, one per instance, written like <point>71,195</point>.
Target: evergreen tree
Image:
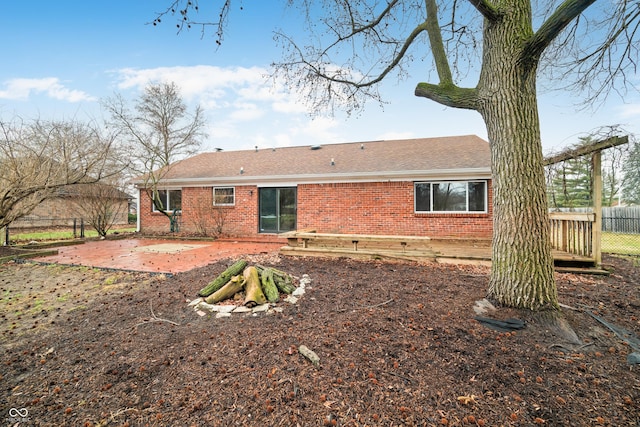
<point>631,181</point>
<point>571,185</point>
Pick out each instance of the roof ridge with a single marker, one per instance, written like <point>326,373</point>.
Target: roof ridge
<point>257,148</point>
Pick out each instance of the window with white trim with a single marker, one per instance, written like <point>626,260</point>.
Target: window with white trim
<point>450,196</point>
<point>224,196</point>
<point>171,200</point>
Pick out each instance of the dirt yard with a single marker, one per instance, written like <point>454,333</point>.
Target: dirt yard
<point>398,346</point>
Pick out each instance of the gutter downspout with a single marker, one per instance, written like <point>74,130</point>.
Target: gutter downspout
<point>139,208</point>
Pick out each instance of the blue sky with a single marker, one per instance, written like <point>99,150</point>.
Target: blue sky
<point>62,57</point>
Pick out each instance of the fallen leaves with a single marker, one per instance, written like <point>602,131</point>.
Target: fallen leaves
<point>250,372</point>
<point>466,400</point>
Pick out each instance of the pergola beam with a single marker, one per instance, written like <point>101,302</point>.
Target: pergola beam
<point>574,153</point>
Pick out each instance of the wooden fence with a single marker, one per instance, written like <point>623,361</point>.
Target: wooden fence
<point>615,219</point>
<point>624,219</point>
<point>572,232</point>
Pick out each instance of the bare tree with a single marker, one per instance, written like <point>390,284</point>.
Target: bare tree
<point>207,219</point>
<point>351,46</point>
<point>102,204</point>
<point>38,158</point>
<point>158,131</point>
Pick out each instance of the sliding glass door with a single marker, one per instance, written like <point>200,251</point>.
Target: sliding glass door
<point>278,209</point>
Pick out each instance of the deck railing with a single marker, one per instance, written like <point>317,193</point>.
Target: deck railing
<point>572,232</point>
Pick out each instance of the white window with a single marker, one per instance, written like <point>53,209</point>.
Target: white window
<point>171,200</point>
<point>452,196</point>
<point>224,196</point>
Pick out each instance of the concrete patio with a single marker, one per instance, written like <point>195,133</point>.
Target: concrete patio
<point>156,255</point>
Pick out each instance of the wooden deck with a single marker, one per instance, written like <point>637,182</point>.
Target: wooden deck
<point>410,248</point>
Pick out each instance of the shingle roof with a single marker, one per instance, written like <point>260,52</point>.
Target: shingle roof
<point>357,160</point>
<point>93,190</point>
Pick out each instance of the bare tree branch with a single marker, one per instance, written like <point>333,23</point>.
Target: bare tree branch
<point>435,41</point>
<point>598,54</point>
<point>487,10</point>
<point>446,92</point>
<point>567,12</point>
<point>449,95</point>
<point>39,158</point>
<point>183,10</point>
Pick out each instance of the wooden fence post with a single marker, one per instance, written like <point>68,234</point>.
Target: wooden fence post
<point>596,164</point>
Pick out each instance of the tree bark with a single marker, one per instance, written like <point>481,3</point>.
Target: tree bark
<point>554,322</point>
<point>282,280</point>
<point>268,285</point>
<point>232,287</point>
<point>522,263</point>
<point>223,278</point>
<point>252,290</point>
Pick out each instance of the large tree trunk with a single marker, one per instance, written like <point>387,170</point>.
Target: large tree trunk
<point>522,263</point>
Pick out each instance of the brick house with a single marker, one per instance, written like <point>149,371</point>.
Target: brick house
<point>436,187</point>
<point>64,207</point>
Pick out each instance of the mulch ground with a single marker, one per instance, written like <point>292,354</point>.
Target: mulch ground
<point>398,346</point>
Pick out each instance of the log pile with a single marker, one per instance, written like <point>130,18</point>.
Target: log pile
<point>259,284</point>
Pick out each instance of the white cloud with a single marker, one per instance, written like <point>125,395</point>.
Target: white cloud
<point>245,112</point>
<point>221,130</point>
<point>284,140</point>
<point>21,89</point>
<point>630,110</point>
<point>320,130</point>
<point>290,105</point>
<point>263,92</point>
<point>210,86</point>
<point>201,81</point>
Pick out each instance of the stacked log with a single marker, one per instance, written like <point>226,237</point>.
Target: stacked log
<point>252,289</point>
<point>232,287</point>
<point>223,278</point>
<point>260,284</point>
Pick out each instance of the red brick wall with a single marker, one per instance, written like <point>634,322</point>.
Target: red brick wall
<point>381,208</point>
<point>150,222</point>
<point>364,208</point>
<point>199,216</point>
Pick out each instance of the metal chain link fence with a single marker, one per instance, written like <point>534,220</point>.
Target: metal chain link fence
<point>621,230</point>
<point>40,229</point>
<point>37,228</point>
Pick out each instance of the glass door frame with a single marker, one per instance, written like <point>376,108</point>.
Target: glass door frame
<point>278,217</point>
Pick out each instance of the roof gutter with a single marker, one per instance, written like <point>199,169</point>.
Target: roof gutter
<point>289,180</point>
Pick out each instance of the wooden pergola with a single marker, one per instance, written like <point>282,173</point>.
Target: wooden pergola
<point>580,234</point>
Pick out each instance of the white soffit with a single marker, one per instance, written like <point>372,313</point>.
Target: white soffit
<point>289,180</point>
